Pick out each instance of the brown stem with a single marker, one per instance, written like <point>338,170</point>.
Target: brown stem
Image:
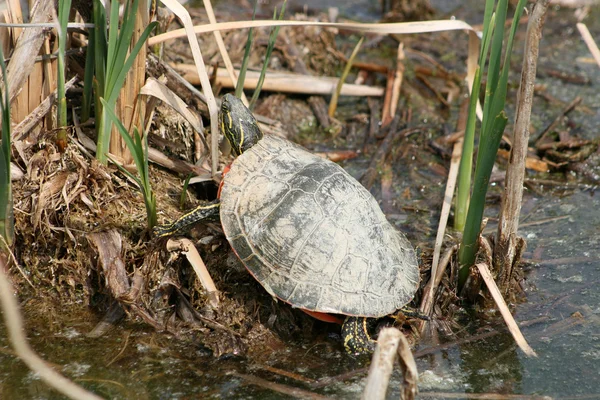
<point>506,251</point>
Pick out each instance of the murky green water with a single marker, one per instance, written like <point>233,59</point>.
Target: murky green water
<point>563,295</point>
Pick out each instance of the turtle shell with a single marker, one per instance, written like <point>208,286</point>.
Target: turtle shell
<point>312,235</point>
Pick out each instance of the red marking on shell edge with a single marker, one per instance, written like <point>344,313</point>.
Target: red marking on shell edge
<point>225,171</point>
<point>324,317</point>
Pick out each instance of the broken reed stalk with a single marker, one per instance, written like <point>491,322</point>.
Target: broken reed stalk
<point>378,28</point>
<point>397,81</point>
<point>14,326</point>
<point>389,343</point>
<point>503,308</point>
<point>382,364</point>
<point>410,374</point>
<point>186,247</point>
<point>506,248</point>
<point>286,82</point>
<point>589,41</point>
<point>32,87</point>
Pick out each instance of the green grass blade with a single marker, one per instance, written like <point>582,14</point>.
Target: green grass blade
<point>118,54</point>
<point>465,167</point>
<point>338,89</point>
<point>88,78</point>
<point>186,183</point>
<point>499,100</point>
<point>113,36</point>
<point>64,7</point>
<point>270,47</point>
<point>99,79</point>
<point>126,66</point>
<point>494,122</point>
<point>485,163</point>
<point>129,140</point>
<point>139,151</point>
<point>466,161</point>
<point>493,72</point>
<point>242,77</point>
<point>116,75</point>
<point>122,46</point>
<point>488,27</point>
<point>100,47</point>
<point>7,225</point>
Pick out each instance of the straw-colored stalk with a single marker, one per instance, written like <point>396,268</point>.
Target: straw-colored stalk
<point>131,107</point>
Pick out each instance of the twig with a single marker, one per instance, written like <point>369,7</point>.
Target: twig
<point>186,247</point>
<point>319,108</point>
<point>382,364</point>
<point>5,244</point>
<point>386,118</point>
<point>115,358</point>
<point>285,82</point>
<point>409,370</point>
<point>285,373</point>
<point>70,25</point>
<point>434,281</point>
<point>576,101</point>
<point>508,318</point>
<point>589,41</point>
<point>569,144</point>
<point>14,326</point>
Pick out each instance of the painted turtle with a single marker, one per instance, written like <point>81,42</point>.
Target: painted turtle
<point>307,230</point>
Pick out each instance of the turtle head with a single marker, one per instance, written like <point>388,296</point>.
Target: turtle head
<point>238,124</point>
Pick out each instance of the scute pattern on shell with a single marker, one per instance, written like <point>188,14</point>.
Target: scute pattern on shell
<point>312,235</point>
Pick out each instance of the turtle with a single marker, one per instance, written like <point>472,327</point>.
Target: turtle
<point>307,231</point>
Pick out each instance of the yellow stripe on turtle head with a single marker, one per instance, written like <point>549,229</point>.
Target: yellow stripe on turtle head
<point>230,120</point>
<point>241,141</point>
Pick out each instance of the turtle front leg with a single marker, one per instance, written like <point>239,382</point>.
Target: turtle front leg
<point>356,337</point>
<point>209,210</point>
